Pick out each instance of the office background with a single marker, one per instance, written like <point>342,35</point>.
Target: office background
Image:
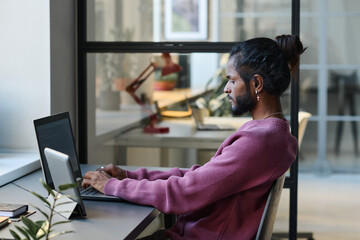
<point>39,75</point>
<point>326,29</point>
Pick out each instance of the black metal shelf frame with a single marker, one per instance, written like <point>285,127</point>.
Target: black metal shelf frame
<point>85,47</point>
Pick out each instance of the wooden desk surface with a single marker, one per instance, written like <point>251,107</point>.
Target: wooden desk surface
<point>168,98</point>
<point>104,220</point>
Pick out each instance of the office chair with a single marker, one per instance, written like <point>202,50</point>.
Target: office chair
<point>347,88</point>
<point>268,218</point>
<point>303,120</point>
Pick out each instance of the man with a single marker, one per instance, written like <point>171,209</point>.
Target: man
<point>225,198</point>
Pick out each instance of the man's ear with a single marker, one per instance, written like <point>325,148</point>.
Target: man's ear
<point>258,82</point>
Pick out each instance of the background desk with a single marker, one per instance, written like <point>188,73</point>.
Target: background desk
<point>104,220</point>
<point>183,134</point>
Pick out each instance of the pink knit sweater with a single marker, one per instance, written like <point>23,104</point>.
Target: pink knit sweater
<point>225,198</point>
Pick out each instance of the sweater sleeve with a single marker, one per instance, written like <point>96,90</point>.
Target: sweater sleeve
<point>244,161</point>
<point>143,173</point>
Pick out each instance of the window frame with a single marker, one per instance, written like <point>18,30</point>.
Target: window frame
<point>85,47</point>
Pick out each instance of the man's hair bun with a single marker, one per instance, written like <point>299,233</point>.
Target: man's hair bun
<point>292,48</point>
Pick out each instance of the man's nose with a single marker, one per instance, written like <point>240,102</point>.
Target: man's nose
<point>227,89</point>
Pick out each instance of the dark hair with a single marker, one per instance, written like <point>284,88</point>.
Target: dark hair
<point>273,60</point>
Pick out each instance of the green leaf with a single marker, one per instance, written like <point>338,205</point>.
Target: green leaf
<point>44,229</point>
<point>42,212</point>
<point>40,223</point>
<point>15,235</point>
<point>33,228</point>
<point>70,196</point>
<point>64,187</point>
<point>24,231</point>
<point>41,198</point>
<point>47,187</point>
<point>41,232</point>
<point>61,222</point>
<point>40,236</point>
<point>60,233</point>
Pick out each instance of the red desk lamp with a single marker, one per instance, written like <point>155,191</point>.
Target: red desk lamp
<point>168,68</point>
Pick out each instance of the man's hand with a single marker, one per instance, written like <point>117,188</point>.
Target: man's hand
<point>113,171</point>
<point>96,179</point>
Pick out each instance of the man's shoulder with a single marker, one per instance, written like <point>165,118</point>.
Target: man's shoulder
<point>265,124</point>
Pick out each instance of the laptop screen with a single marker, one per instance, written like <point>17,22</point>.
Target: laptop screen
<point>55,132</point>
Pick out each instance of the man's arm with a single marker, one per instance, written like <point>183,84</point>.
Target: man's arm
<point>239,167</point>
<point>151,175</point>
<point>98,179</point>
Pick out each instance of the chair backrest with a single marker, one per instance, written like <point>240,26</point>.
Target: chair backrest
<point>268,218</point>
<point>303,120</point>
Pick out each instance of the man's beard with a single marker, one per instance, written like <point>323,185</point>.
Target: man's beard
<point>244,104</point>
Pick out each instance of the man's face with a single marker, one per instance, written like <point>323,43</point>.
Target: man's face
<point>238,93</point>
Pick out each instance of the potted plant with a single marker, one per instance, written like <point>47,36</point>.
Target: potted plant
<point>216,103</point>
<point>43,229</point>
<point>115,74</point>
<point>121,64</point>
<point>108,98</point>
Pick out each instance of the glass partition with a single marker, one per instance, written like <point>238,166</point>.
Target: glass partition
<point>309,147</point>
<point>310,39</point>
<point>343,145</point>
<point>341,47</point>
<point>114,20</point>
<point>241,20</point>
<point>349,6</point>
<point>329,67</point>
<point>309,91</point>
<point>113,108</point>
<point>187,20</point>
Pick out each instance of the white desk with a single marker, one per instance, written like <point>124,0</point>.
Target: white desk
<point>183,134</point>
<point>104,220</point>
<point>107,124</point>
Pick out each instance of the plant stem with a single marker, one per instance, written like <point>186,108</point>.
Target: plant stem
<point>51,215</point>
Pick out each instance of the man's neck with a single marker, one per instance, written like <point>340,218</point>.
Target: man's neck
<point>267,107</point>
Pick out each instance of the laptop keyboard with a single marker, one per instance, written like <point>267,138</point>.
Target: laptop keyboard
<point>88,191</point>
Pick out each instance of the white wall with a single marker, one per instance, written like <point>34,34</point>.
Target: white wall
<point>24,70</point>
<point>203,67</point>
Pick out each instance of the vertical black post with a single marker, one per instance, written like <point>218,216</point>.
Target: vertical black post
<point>295,28</point>
<point>81,86</point>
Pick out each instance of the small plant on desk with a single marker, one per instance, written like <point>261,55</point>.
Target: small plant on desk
<point>43,229</point>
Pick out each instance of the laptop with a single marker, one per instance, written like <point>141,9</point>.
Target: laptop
<point>196,113</point>
<point>62,173</point>
<point>55,132</point>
